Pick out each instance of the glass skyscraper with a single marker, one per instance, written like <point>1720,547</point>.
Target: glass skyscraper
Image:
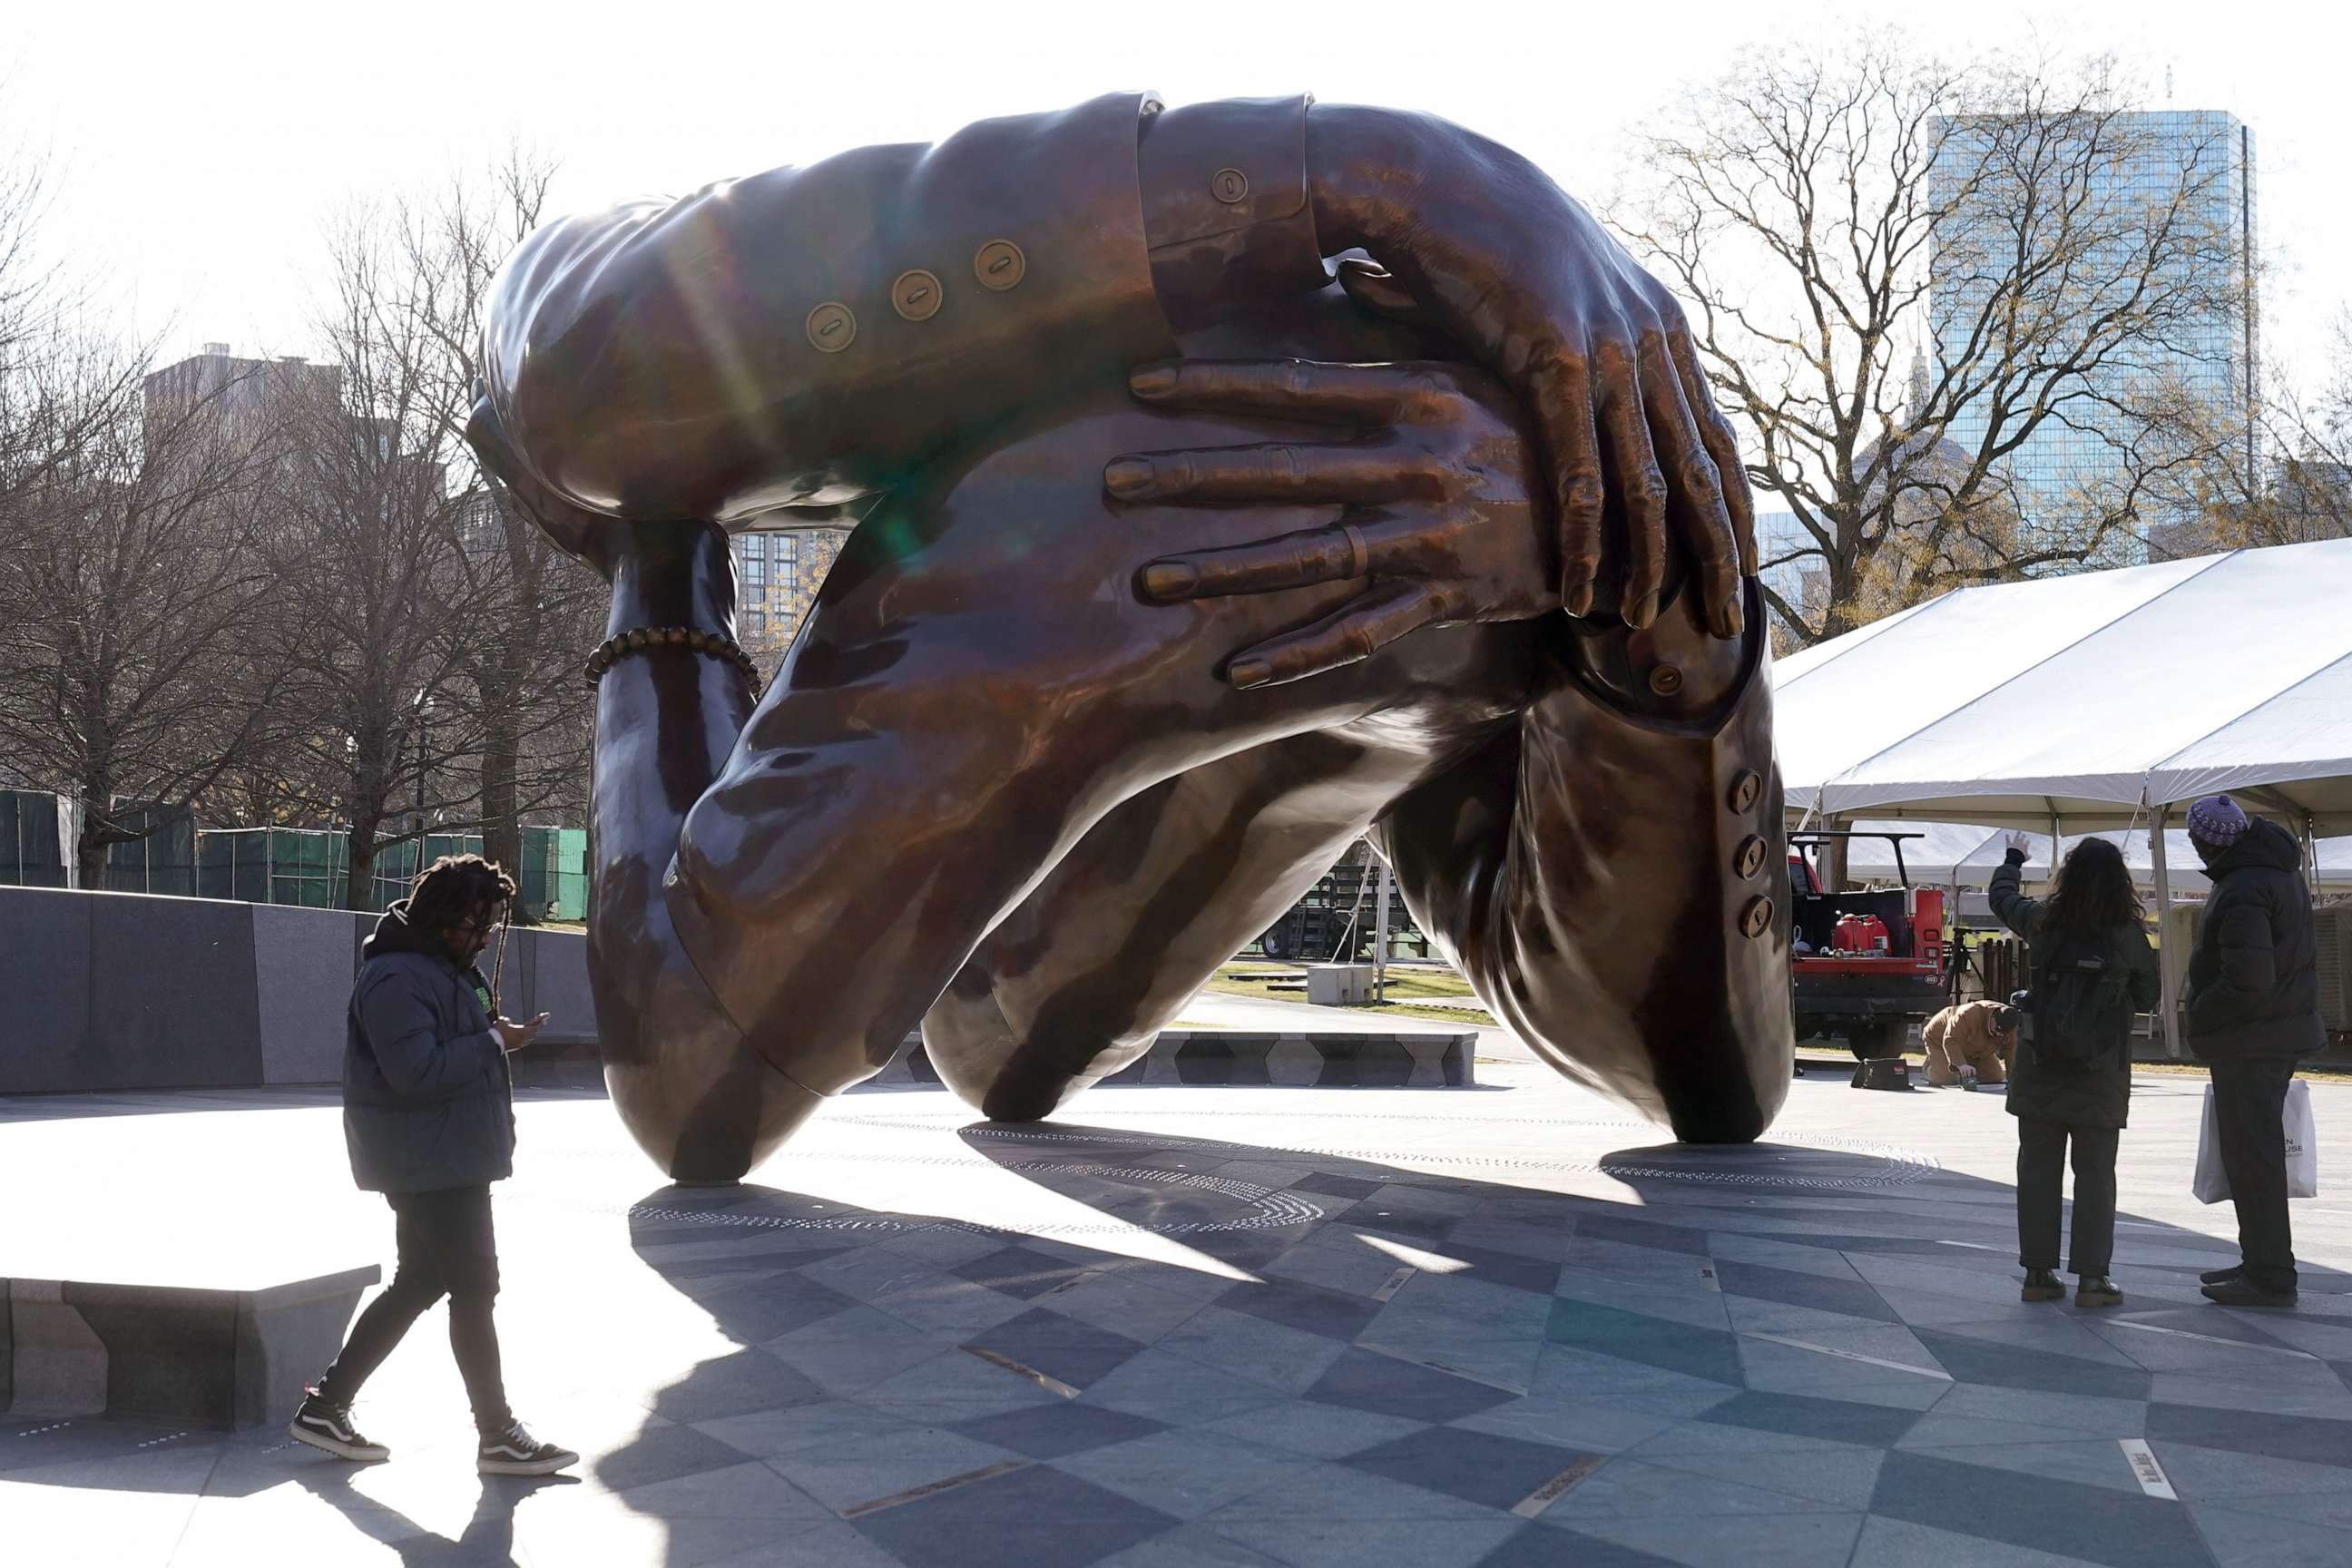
<point>2207,362</point>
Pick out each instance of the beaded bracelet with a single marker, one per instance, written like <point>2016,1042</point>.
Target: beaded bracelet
<point>687,637</point>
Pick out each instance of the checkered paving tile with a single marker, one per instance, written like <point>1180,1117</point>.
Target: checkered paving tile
<point>1254,1329</point>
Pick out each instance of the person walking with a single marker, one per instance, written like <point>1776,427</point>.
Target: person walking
<point>2070,1076</point>
<point>2254,1009</point>
<point>428,1117</point>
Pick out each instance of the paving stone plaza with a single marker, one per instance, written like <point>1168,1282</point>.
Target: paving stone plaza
<point>1501,1325</point>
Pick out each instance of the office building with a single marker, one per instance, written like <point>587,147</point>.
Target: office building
<point>242,398</point>
<point>777,575</point>
<point>2074,468</point>
<point>1798,579</point>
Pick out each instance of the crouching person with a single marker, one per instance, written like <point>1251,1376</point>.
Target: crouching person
<point>429,1114</point>
<point>1970,1044</point>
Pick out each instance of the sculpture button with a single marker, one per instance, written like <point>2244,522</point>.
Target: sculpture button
<point>1665,679</point>
<point>1744,790</point>
<point>831,327</point>
<point>1229,186</point>
<point>1757,918</point>
<point>1000,265</point>
<point>916,295</point>
<point>1749,857</point>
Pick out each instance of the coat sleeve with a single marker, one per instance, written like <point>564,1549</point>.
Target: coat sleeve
<point>1610,877</point>
<point>404,1034</point>
<point>798,337</point>
<point>2139,960</point>
<point>2245,968</point>
<point>2009,905</point>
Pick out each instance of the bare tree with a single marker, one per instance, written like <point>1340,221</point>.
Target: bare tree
<point>364,618</point>
<point>128,670</point>
<point>2300,489</point>
<point>532,609</point>
<point>435,634</point>
<point>2043,253</point>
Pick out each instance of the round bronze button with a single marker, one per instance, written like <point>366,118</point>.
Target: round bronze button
<point>1665,679</point>
<point>831,327</point>
<point>1748,859</point>
<point>916,295</point>
<point>1229,186</point>
<point>1744,789</point>
<point>1000,265</point>
<point>1757,918</point>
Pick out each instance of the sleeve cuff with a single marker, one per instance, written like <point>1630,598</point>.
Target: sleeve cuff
<point>1227,215</point>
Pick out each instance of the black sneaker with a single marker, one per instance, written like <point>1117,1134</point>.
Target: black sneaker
<point>2221,1276</point>
<point>515,1452</point>
<point>2042,1285</point>
<point>2097,1290</point>
<point>2245,1292</point>
<point>327,1426</point>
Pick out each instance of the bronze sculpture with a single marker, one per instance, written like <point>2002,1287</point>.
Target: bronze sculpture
<point>1152,605</point>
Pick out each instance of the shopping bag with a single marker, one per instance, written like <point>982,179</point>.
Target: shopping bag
<point>2212,1183</point>
<point>2302,1142</point>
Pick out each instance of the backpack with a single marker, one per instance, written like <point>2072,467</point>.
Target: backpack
<point>2075,1016</point>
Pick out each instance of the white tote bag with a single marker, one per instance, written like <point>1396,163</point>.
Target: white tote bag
<point>2212,1183</point>
<point>2302,1142</point>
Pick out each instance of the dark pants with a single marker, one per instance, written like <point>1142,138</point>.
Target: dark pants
<point>2250,1114</point>
<point>2040,1177</point>
<point>447,1249</point>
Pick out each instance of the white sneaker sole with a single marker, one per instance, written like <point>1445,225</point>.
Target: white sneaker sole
<point>546,1466</point>
<point>368,1454</point>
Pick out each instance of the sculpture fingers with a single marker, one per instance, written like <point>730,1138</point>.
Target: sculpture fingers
<point>1378,289</point>
<point>1355,631</point>
<point>1276,472</point>
<point>1355,547</point>
<point>1351,394</point>
<point>1697,491</point>
<point>1559,396</point>
<point>1624,426</point>
<point>1739,500</point>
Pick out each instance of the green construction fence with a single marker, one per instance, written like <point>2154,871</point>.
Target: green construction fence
<point>310,867</point>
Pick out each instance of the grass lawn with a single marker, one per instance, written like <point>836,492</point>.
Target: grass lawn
<point>1402,989</point>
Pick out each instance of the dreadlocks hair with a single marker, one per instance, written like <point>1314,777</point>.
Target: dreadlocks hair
<point>2093,892</point>
<point>453,885</point>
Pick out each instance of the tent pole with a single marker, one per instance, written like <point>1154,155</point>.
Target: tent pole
<point>2055,830</point>
<point>2168,966</point>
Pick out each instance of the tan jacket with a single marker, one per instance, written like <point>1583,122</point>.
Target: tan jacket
<point>1965,1035</point>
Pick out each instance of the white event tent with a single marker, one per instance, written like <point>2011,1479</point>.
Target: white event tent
<point>2101,701</point>
<point>1965,854</point>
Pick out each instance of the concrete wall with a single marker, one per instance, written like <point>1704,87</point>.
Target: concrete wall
<point>125,991</point>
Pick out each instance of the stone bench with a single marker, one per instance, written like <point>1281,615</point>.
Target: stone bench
<point>1418,1059</point>
<point>212,1357</point>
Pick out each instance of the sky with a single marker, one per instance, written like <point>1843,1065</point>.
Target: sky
<point>198,153</point>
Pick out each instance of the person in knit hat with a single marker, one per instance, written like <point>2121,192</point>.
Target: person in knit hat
<point>2252,1010</point>
<point>2215,822</point>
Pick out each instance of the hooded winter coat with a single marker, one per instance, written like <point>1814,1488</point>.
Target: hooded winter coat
<point>2100,1097</point>
<point>2253,980</point>
<point>427,1099</point>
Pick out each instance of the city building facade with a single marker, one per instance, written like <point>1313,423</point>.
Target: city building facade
<point>241,398</point>
<point>777,575</point>
<point>2206,368</point>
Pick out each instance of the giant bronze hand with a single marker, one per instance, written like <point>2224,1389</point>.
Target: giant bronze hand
<point>1443,525</point>
<point>1517,273</point>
